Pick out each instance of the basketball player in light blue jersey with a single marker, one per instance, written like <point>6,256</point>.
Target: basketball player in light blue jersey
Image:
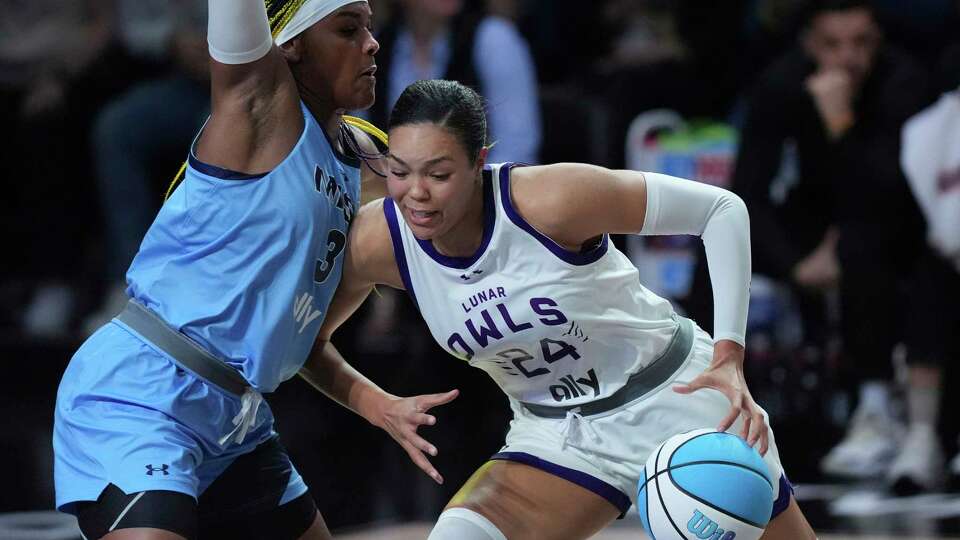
<point>160,430</point>
<point>513,271</point>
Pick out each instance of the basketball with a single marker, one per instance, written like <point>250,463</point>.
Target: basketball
<point>706,485</point>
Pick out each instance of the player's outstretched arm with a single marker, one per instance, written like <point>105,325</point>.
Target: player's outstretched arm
<point>572,203</point>
<point>368,261</point>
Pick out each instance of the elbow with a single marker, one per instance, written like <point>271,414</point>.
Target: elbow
<point>734,204</point>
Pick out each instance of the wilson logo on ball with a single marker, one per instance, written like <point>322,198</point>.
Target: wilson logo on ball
<point>707,529</point>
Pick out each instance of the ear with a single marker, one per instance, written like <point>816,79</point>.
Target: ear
<point>482,158</point>
<point>292,50</point>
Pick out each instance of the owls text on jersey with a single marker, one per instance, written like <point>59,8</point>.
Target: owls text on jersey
<point>246,265</point>
<point>549,325</point>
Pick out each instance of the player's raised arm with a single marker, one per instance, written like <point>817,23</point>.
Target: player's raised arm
<point>255,116</point>
<point>369,261</point>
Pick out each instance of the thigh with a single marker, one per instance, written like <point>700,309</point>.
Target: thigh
<point>167,514</point>
<point>259,495</point>
<point>528,503</point>
<point>789,525</point>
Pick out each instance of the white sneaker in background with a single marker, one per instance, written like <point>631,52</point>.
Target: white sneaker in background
<point>918,467</point>
<point>868,449</point>
<point>50,311</point>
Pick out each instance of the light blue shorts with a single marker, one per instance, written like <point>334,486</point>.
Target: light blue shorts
<point>127,415</point>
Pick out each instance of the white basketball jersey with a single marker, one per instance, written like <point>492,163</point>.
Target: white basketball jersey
<point>550,326</point>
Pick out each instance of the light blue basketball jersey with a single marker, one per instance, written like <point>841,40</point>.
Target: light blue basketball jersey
<point>247,265</point>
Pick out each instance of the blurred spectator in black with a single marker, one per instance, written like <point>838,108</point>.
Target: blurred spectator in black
<point>931,161</point>
<point>564,53</point>
<point>136,151</point>
<point>60,60</point>
<point>830,209</point>
<point>924,28</point>
<point>440,39</point>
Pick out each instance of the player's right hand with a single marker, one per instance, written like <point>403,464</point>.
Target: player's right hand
<point>400,417</point>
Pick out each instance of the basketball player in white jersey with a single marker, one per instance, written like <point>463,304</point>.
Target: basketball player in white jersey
<point>513,271</point>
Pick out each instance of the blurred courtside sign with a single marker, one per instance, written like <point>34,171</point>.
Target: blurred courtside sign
<point>662,141</point>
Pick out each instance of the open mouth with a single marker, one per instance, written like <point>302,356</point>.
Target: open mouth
<point>422,217</point>
<point>369,72</point>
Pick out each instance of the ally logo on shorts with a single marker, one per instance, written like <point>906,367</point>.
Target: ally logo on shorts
<point>707,529</point>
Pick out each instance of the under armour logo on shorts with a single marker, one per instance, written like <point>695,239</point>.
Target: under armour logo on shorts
<point>162,469</point>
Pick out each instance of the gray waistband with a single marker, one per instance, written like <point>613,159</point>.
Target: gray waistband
<point>185,352</point>
<point>640,383</point>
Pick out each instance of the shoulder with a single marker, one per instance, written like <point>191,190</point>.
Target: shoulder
<point>558,182</point>
<point>370,246</point>
<point>556,198</point>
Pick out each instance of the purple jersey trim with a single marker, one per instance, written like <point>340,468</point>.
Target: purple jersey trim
<point>575,258</point>
<point>489,219</point>
<point>616,497</point>
<point>219,172</point>
<point>390,212</point>
<point>783,500</point>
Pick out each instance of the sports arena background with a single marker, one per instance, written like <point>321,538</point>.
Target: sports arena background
<point>88,89</point>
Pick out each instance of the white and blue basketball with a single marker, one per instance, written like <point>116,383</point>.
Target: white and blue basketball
<point>705,485</point>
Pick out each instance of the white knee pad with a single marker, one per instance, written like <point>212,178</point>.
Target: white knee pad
<point>463,524</point>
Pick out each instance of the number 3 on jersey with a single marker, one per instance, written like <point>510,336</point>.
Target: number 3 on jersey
<point>336,241</point>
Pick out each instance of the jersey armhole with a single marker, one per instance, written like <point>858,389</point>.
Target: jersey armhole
<point>399,254</point>
<point>576,258</point>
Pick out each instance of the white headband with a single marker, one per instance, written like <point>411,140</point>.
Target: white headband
<point>309,13</point>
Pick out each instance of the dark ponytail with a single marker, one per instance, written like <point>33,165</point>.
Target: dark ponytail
<point>444,103</point>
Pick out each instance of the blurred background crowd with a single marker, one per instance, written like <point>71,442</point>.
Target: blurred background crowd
<point>838,124</point>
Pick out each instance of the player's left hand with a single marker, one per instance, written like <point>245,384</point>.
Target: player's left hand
<point>400,417</point>
<point>726,375</point>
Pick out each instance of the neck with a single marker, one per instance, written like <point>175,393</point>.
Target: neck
<point>465,238</point>
<point>323,111</point>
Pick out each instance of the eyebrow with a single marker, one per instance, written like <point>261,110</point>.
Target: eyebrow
<point>433,161</point>
<point>352,14</point>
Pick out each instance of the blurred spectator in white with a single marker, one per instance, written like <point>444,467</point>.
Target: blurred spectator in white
<point>440,39</point>
<point>931,162</point>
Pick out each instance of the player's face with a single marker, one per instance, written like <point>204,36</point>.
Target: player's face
<point>337,63</point>
<point>431,178</point>
<point>846,40</point>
